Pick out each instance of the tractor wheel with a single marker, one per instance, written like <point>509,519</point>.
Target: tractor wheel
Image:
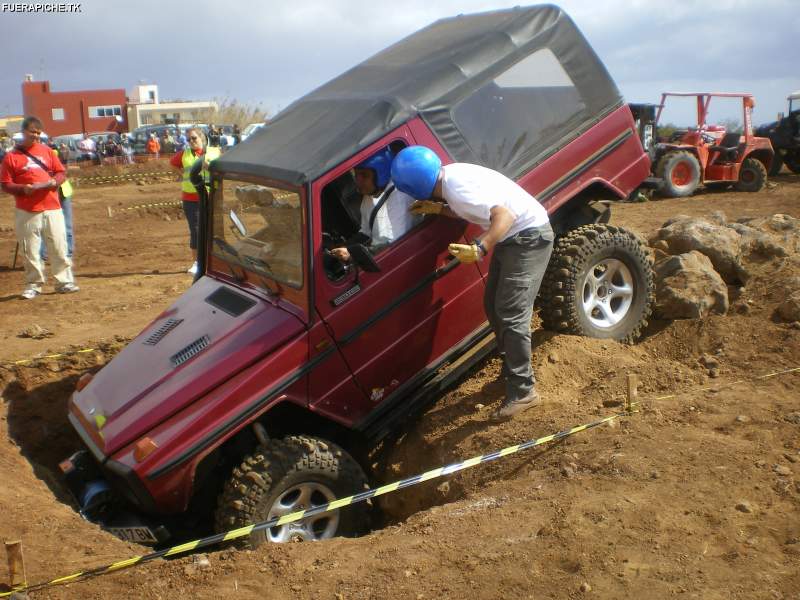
<point>792,161</point>
<point>679,172</point>
<point>777,163</point>
<point>752,176</point>
<point>599,283</point>
<point>288,475</point>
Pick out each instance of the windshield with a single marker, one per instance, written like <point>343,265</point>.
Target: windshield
<point>258,228</point>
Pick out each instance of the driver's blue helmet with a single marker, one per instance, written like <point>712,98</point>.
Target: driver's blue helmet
<point>381,165</point>
<point>415,170</point>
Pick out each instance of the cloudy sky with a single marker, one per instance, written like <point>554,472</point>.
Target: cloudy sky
<point>272,52</point>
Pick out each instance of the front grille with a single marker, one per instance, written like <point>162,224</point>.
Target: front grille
<point>191,350</point>
<point>159,333</point>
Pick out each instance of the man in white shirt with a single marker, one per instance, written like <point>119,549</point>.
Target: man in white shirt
<point>517,231</point>
<point>393,219</point>
<point>87,147</point>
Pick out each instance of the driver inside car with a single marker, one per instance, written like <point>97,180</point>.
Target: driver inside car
<point>392,220</point>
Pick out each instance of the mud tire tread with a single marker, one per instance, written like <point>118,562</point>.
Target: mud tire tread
<point>250,491</point>
<point>577,250</point>
<point>760,172</point>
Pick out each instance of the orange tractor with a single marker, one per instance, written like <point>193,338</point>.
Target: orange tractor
<point>711,155</point>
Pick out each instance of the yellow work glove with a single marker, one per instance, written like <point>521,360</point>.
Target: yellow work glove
<point>466,253</point>
<point>426,207</point>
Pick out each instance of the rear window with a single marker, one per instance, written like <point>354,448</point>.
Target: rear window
<point>524,108</point>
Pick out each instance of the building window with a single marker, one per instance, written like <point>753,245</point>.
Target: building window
<point>151,95</point>
<point>98,112</point>
<point>58,114</point>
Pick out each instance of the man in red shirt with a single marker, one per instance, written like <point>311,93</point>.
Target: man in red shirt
<point>32,173</point>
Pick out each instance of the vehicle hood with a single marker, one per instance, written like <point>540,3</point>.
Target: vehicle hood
<point>207,336</point>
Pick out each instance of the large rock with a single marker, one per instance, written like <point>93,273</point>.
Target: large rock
<point>789,309</point>
<point>688,287</point>
<point>720,243</point>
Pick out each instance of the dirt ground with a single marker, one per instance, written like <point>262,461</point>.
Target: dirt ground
<point>696,496</point>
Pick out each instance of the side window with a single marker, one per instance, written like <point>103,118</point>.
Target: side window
<point>347,206</point>
<point>519,111</point>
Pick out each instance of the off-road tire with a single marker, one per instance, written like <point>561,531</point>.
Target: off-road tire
<point>775,166</point>
<point>752,176</point>
<point>792,161</point>
<point>575,257</point>
<point>679,171</point>
<point>273,469</point>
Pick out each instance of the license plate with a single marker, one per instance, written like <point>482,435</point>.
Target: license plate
<point>140,535</point>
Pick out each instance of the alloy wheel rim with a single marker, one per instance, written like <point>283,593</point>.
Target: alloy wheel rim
<point>607,293</point>
<point>304,496</point>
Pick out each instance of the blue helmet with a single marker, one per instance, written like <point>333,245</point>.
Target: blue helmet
<point>381,165</point>
<point>415,171</point>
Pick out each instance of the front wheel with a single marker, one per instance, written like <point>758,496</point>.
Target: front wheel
<point>679,171</point>
<point>599,283</point>
<point>752,176</point>
<point>289,475</point>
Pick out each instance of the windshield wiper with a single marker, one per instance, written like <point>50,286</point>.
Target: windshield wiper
<point>228,249</point>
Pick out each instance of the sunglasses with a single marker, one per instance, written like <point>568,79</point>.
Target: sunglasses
<point>194,138</point>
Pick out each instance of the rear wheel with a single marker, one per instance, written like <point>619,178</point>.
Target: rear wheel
<point>599,283</point>
<point>792,160</point>
<point>288,475</point>
<point>752,176</point>
<point>679,172</point>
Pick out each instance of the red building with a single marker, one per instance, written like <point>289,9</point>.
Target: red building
<point>63,113</point>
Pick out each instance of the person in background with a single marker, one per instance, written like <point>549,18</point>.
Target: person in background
<point>169,142</point>
<point>102,149</point>
<point>517,232</point>
<point>180,141</point>
<point>153,146</point>
<point>87,148</point>
<point>63,153</point>
<point>237,135</point>
<point>213,135</point>
<point>32,173</point>
<point>198,149</point>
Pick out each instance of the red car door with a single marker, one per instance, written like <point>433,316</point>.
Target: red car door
<point>393,324</point>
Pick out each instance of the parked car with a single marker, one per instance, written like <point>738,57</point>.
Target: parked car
<point>251,129</point>
<point>263,388</point>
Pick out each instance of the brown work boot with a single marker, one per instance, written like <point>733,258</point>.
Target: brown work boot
<point>509,408</point>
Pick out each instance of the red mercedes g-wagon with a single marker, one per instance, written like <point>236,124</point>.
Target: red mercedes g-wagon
<point>257,392</point>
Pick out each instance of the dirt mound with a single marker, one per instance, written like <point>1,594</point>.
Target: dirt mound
<point>698,494</point>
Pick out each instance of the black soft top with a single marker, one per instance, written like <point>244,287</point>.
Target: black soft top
<point>425,74</point>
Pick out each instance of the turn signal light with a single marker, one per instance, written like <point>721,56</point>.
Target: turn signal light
<point>83,381</point>
<point>144,448</point>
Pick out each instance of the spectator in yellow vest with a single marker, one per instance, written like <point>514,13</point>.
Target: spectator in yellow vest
<point>184,160</point>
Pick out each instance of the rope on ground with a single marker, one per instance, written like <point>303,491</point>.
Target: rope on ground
<point>127,176</point>
<point>631,408</point>
<point>318,510</point>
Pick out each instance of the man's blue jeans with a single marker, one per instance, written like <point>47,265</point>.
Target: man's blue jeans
<point>66,207</point>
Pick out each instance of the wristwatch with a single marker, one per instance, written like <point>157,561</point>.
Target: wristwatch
<point>479,244</point>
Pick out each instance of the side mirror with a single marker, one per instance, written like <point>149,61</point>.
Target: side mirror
<point>363,258</point>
